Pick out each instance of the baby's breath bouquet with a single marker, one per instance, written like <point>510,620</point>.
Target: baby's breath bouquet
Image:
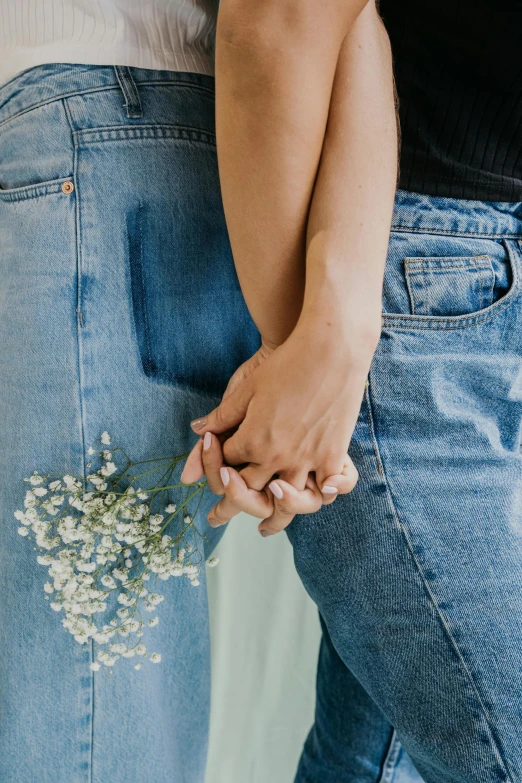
<point>105,543</point>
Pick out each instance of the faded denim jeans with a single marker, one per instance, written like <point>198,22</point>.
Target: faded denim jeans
<point>119,310</point>
<point>418,572</point>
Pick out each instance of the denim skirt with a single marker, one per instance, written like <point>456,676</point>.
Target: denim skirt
<point>119,311</point>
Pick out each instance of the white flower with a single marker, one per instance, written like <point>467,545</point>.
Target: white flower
<point>48,587</point>
<point>87,567</point>
<point>35,479</point>
<point>137,666</point>
<point>153,621</point>
<point>30,499</point>
<point>212,562</point>
<point>155,658</point>
<point>170,509</point>
<point>107,454</point>
<point>23,531</point>
<point>57,607</point>
<point>108,469</point>
<point>94,666</point>
<point>108,581</point>
<point>140,649</point>
<point>39,492</point>
<point>90,451</point>
<point>54,485</point>
<point>105,438</point>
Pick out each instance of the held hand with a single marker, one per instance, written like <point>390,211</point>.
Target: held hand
<point>296,412</point>
<point>276,512</point>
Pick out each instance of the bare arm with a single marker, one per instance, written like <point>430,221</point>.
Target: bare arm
<point>275,67</point>
<point>298,409</point>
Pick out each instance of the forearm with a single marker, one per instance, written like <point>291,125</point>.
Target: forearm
<point>275,67</point>
<point>352,204</point>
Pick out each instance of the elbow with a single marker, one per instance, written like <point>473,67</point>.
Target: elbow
<point>252,24</point>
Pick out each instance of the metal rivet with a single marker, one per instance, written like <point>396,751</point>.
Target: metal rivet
<point>67,187</point>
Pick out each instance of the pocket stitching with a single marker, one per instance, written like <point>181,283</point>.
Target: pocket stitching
<point>398,321</point>
<point>35,190</point>
<point>416,266</point>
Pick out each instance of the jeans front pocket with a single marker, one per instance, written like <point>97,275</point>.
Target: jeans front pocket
<point>448,286</point>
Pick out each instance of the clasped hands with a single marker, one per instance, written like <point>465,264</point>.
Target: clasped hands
<point>277,443</point>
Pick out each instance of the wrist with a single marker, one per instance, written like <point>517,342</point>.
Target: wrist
<point>352,339</point>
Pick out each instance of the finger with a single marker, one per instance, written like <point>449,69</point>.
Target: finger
<point>255,476</point>
<point>297,477</point>
<point>239,449</point>
<point>238,497</point>
<point>340,483</point>
<point>212,458</point>
<point>289,501</point>
<point>330,467</point>
<point>229,413</point>
<point>193,469</point>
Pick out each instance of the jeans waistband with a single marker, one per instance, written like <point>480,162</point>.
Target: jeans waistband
<point>44,83</point>
<point>425,214</point>
<point>412,212</point>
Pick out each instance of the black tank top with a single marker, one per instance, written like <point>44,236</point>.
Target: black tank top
<point>458,69</point>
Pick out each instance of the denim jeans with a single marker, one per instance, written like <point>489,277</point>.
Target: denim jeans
<point>119,311</point>
<point>418,572</point>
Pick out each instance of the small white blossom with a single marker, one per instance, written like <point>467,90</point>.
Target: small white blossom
<point>94,666</point>
<point>108,469</point>
<point>105,438</point>
<point>212,562</point>
<point>155,658</point>
<point>39,492</point>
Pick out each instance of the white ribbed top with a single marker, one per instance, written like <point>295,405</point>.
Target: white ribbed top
<point>176,35</point>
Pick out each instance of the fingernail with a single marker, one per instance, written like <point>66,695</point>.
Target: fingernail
<point>181,477</point>
<point>212,522</point>
<point>207,440</point>
<point>197,424</point>
<point>265,533</point>
<point>329,490</point>
<point>225,478</point>
<point>276,489</point>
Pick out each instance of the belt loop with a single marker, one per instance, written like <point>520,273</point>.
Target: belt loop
<point>130,91</point>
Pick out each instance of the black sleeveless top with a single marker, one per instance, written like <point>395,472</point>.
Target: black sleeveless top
<point>458,69</point>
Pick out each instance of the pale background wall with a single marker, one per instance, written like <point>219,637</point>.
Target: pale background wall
<point>265,640</point>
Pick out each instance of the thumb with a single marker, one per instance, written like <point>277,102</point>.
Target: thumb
<point>230,412</point>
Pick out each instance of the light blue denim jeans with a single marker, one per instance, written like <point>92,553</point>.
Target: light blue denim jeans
<point>418,572</point>
<point>120,310</point>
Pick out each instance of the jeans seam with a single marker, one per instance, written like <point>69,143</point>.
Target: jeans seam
<point>79,327</point>
<point>445,626</point>
<point>390,761</point>
<point>103,88</point>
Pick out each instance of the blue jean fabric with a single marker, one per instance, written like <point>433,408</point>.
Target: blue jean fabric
<point>119,311</point>
<point>418,572</point>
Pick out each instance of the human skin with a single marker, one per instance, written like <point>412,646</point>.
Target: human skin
<point>293,414</point>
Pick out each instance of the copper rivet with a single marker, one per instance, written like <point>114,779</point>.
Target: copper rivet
<point>67,187</point>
